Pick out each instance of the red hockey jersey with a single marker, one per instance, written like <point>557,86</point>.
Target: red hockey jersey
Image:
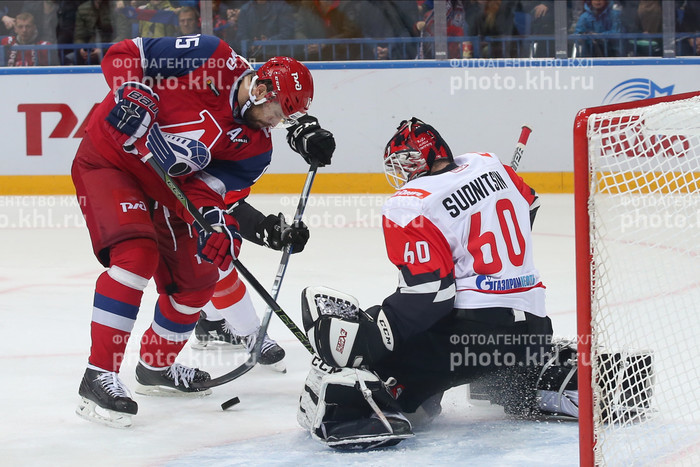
<point>196,79</point>
<point>24,57</point>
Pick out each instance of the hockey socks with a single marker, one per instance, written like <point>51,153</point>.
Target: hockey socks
<point>117,298</point>
<point>172,325</point>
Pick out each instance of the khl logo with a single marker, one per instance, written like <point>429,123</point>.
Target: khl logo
<point>636,89</point>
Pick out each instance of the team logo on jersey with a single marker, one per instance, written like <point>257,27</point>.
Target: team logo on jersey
<point>140,206</point>
<point>508,284</point>
<point>412,192</point>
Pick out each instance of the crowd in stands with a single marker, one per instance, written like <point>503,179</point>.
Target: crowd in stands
<point>51,32</point>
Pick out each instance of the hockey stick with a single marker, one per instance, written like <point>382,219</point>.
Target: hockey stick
<point>520,147</point>
<point>283,267</point>
<point>265,323</point>
<point>156,143</point>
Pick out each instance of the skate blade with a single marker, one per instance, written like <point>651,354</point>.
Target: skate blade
<point>215,345</point>
<point>278,367</point>
<point>92,412</point>
<point>165,391</point>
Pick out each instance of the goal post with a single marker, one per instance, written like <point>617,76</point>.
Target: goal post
<point>637,217</point>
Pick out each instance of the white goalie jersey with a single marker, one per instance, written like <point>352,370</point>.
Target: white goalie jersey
<point>461,239</point>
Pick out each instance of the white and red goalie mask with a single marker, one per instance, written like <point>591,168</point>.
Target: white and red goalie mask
<point>412,151</point>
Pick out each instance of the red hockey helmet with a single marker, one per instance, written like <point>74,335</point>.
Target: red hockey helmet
<point>290,84</point>
<point>412,151</point>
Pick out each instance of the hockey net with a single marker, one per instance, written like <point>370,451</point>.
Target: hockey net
<point>637,196</point>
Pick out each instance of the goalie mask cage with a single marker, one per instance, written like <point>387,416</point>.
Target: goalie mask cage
<point>637,208</point>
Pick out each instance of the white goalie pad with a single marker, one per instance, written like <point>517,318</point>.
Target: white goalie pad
<point>347,409</point>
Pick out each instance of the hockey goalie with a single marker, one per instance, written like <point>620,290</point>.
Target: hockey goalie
<point>469,306</point>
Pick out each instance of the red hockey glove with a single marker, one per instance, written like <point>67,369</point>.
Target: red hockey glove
<point>133,115</point>
<point>220,248</point>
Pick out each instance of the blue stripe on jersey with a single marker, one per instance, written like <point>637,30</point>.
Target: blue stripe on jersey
<point>177,56</point>
<point>237,175</point>
<point>116,307</point>
<point>171,326</point>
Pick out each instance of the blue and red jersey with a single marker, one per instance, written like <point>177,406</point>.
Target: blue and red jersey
<point>197,80</point>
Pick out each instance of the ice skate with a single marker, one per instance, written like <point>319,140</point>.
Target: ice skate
<point>175,380</point>
<point>105,399</point>
<point>215,335</point>
<point>271,355</point>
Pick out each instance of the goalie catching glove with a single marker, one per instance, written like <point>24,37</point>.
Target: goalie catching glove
<point>350,409</point>
<point>133,115</point>
<point>340,332</point>
<point>220,247</point>
<point>312,142</point>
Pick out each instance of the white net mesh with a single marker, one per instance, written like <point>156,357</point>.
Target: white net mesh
<point>644,209</point>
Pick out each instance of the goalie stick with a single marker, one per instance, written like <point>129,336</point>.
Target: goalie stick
<point>520,147</point>
<point>156,142</point>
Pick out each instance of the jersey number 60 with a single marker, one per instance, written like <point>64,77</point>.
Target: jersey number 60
<point>478,240</point>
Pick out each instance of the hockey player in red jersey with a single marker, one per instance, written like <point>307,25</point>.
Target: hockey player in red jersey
<point>215,112</point>
<point>469,307</point>
<point>230,318</point>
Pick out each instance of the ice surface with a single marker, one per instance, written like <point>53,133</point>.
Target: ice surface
<point>47,275</point>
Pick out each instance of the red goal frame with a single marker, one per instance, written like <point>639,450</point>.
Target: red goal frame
<point>583,264</point>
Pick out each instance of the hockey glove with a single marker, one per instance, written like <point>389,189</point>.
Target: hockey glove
<point>219,248</point>
<point>311,141</point>
<point>133,115</point>
<point>275,233</point>
<point>340,332</point>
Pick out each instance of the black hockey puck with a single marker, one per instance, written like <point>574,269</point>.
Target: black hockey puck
<point>230,403</point>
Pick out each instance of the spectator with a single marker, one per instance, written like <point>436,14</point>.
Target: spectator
<point>599,17</point>
<point>541,16</point>
<point>188,21</point>
<point>65,24</point>
<point>456,26</point>
<point>261,20</point>
<point>691,24</point>
<point>328,19</point>
<point>494,18</point>
<point>225,19</point>
<point>124,21</point>
<point>162,23</point>
<point>45,14</point>
<point>26,33</point>
<point>391,19</point>
<point>644,17</point>
<point>8,11</point>
<point>93,25</point>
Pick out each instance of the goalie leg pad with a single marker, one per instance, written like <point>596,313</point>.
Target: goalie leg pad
<point>350,409</point>
<point>625,385</point>
<point>557,385</point>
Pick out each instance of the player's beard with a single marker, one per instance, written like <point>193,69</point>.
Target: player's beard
<point>253,120</point>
